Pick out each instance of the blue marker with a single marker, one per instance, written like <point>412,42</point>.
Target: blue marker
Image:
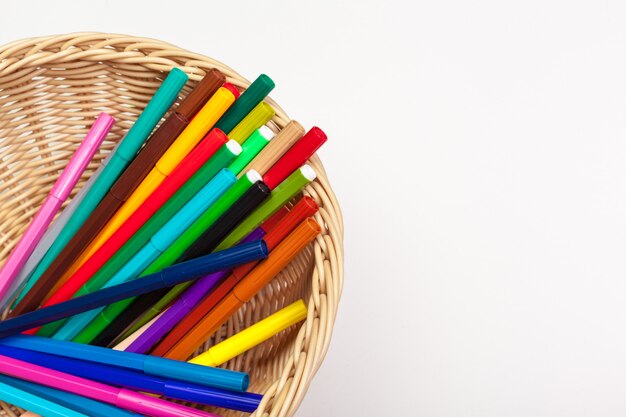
<point>149,365</point>
<point>112,375</point>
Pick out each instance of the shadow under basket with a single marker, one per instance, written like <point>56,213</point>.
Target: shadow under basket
<point>51,90</point>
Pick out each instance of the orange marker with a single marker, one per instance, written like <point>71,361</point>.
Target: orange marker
<point>246,289</point>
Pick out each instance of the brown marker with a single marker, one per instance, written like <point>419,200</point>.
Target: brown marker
<point>160,141</point>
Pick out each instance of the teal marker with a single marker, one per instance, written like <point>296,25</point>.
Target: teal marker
<point>124,154</point>
<point>254,94</point>
<point>35,403</point>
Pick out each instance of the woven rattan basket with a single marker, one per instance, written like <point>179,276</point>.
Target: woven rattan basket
<point>51,88</point>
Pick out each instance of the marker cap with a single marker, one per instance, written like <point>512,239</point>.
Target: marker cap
<point>85,151</point>
<point>253,95</point>
<point>260,115</point>
<point>207,86</point>
<point>295,157</point>
<point>156,108</point>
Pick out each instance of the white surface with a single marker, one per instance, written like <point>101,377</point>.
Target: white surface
<point>485,271</point>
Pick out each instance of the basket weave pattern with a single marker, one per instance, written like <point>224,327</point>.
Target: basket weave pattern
<point>52,88</point>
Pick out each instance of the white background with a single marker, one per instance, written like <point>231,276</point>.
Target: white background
<point>478,151</point>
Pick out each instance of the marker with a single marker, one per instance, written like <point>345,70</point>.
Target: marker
<point>295,157</point>
<point>280,195</point>
<point>160,140</point>
<point>253,335</point>
<point>251,148</point>
<point>113,375</point>
<point>149,365</point>
<point>121,247</point>
<point>121,397</point>
<point>125,152</point>
<point>180,307</point>
<point>175,155</point>
<point>306,207</point>
<point>35,403</point>
<point>260,115</point>
<point>283,141</point>
<point>167,277</point>
<point>253,95</point>
<point>246,289</point>
<point>248,201</point>
<point>155,246</point>
<point>190,165</point>
<point>58,194</point>
<point>275,233</point>
<point>78,403</point>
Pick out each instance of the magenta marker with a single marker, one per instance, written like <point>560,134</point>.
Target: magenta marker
<point>59,193</point>
<point>119,397</point>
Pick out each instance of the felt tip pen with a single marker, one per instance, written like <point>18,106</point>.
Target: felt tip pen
<point>283,141</point>
<point>160,140</point>
<point>304,208</point>
<point>295,157</point>
<point>38,404</point>
<point>149,365</point>
<point>253,95</point>
<point>176,153</point>
<point>170,276</point>
<point>95,331</point>
<point>199,156</point>
<point>182,306</point>
<point>81,404</point>
<point>116,376</point>
<point>121,397</point>
<point>155,246</point>
<point>246,289</point>
<point>253,335</point>
<point>119,160</point>
<point>260,115</point>
<point>58,194</point>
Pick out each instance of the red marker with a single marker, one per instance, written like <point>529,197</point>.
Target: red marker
<point>295,157</point>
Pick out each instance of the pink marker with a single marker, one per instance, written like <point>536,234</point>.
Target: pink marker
<point>59,193</point>
<point>119,397</point>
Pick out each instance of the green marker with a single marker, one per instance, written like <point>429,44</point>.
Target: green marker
<point>124,154</point>
<point>251,148</point>
<point>172,253</point>
<point>279,197</point>
<point>254,94</point>
<point>224,156</point>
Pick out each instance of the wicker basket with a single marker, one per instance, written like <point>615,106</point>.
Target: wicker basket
<point>51,89</point>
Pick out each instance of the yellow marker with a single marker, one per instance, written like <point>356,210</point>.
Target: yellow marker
<point>186,141</point>
<point>257,117</point>
<point>253,335</point>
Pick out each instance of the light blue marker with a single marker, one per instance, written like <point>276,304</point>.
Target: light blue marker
<point>161,240</point>
<point>34,403</point>
<point>79,403</point>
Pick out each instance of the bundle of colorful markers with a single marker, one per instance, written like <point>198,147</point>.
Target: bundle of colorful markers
<point>182,224</point>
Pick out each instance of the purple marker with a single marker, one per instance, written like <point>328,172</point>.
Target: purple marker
<point>187,301</point>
